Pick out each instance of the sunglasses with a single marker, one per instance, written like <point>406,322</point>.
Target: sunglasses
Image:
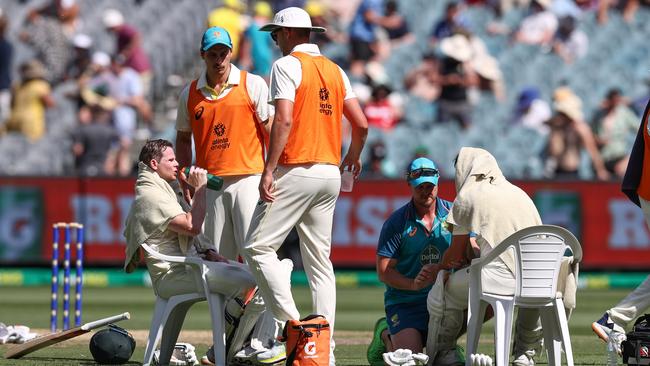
<point>422,172</point>
<point>274,35</point>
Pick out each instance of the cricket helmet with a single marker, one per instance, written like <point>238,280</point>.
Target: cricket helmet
<point>112,345</point>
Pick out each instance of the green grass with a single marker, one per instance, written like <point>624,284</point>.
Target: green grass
<point>357,310</point>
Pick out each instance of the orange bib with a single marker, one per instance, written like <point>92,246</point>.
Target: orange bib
<point>315,135</point>
<point>227,136</point>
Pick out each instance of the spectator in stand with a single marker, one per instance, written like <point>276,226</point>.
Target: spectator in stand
<point>126,89</point>
<point>539,27</point>
<point>379,110</point>
<point>6,59</point>
<point>45,35</point>
<point>424,80</point>
<point>231,16</point>
<point>615,126</point>
<point>283,4</point>
<point>95,136</point>
<point>363,38</point>
<point>129,48</point>
<point>532,111</point>
<point>448,25</point>
<point>489,76</point>
<point>81,57</point>
<point>568,135</point>
<point>570,43</point>
<point>30,99</point>
<point>325,16</point>
<point>256,52</point>
<point>377,166</point>
<point>455,78</point>
<point>64,11</point>
<point>395,25</point>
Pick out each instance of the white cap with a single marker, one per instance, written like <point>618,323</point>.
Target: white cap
<point>101,59</point>
<point>112,18</point>
<point>291,18</point>
<point>82,41</point>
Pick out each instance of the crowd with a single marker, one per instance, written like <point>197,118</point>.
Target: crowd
<point>458,69</point>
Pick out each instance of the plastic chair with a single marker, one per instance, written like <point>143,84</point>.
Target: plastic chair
<point>169,313</point>
<point>538,254</point>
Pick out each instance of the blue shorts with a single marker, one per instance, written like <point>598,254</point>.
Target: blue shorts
<point>408,315</point>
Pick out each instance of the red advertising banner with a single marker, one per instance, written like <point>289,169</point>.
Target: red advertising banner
<point>611,229</point>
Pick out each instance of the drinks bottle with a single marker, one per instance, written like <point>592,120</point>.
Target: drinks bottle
<point>214,182</point>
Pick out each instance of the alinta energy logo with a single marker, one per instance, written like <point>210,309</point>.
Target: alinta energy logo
<point>220,142</point>
<point>325,106</point>
<point>219,129</point>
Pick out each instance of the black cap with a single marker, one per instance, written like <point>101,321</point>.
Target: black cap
<point>113,346</point>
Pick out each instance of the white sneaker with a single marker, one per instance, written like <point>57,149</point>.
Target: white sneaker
<point>277,353</point>
<point>524,359</point>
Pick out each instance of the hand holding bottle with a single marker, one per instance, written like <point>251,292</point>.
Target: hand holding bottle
<point>195,176</point>
<point>214,182</point>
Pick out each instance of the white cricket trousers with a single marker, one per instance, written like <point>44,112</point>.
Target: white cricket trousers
<point>229,212</point>
<point>496,279</point>
<point>229,279</point>
<point>637,301</point>
<point>305,197</point>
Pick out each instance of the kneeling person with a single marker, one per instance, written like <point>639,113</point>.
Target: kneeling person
<point>411,245</point>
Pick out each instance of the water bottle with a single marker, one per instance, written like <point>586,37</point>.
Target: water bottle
<point>214,182</point>
<point>612,352</point>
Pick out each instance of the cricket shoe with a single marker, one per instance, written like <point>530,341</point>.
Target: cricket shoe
<point>276,354</point>
<point>524,359</point>
<point>247,356</point>
<point>376,349</point>
<point>605,328</point>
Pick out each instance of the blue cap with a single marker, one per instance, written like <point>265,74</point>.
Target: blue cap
<point>526,98</point>
<point>214,36</point>
<point>422,163</point>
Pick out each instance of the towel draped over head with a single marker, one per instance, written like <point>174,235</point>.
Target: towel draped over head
<point>156,203</point>
<point>487,204</point>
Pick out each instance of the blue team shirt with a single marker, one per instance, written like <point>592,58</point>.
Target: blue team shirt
<point>404,237</point>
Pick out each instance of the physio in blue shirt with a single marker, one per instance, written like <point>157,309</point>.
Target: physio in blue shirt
<point>413,236</point>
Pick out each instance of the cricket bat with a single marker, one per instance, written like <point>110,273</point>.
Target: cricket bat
<point>35,344</point>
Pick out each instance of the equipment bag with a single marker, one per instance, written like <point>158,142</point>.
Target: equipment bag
<point>307,341</point>
<point>636,349</point>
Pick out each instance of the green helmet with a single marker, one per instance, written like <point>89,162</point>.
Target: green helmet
<point>113,345</point>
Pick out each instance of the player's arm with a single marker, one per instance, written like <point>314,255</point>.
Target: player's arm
<point>278,140</point>
<point>389,275</point>
<point>183,145</point>
<point>456,255</point>
<point>353,112</point>
<point>190,223</point>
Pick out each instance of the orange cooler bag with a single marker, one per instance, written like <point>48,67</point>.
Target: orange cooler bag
<point>307,341</point>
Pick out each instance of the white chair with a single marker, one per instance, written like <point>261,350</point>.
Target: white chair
<point>169,314</point>
<point>538,255</point>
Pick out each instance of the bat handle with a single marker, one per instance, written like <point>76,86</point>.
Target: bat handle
<point>105,321</point>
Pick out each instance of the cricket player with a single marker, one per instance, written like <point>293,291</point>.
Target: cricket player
<point>226,112</point>
<point>301,178</point>
<point>161,218</point>
<point>491,207</point>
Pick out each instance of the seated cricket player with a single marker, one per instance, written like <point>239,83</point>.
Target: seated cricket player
<point>491,207</point>
<point>161,218</point>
